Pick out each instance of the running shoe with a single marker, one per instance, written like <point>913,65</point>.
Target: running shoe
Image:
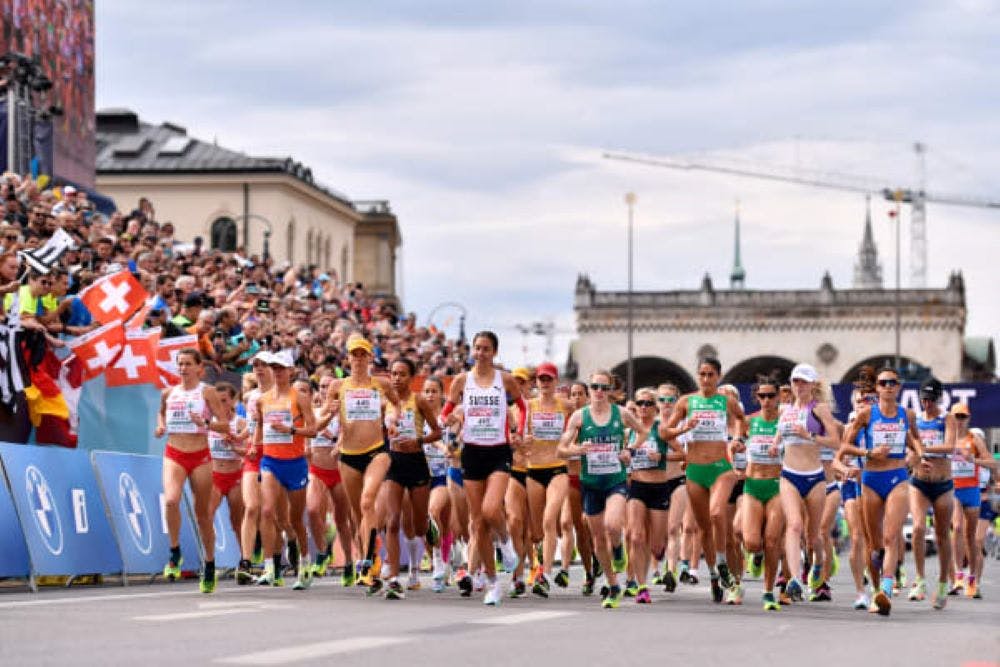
<point>657,579</point>
<point>685,575</point>
<point>883,605</point>
<point>919,591</point>
<point>494,594</point>
<point>620,559</point>
<point>900,578</point>
<point>862,602</point>
<point>957,589</point>
<point>734,595</point>
<point>464,583</point>
<point>756,565</point>
<point>669,583</point>
<point>588,586</point>
<point>433,535</point>
<point>304,578</point>
<point>613,598</point>
<point>972,590</point>
<point>518,589</point>
<point>438,585</point>
<point>821,593</point>
<point>413,584</point>
<point>394,590</point>
<point>814,580</point>
<point>643,596</point>
<point>206,584</point>
<point>631,588</point>
<point>561,579</point>
<point>172,570</point>
<point>717,591</point>
<point>940,599</point>
<point>478,582</point>
<point>243,574</point>
<point>322,562</point>
<point>794,590</point>
<point>364,569</point>
<point>509,556</point>
<point>347,577</point>
<point>269,578</point>
<point>725,576</point>
<point>374,587</point>
<point>770,604</point>
<point>784,598</point>
<point>541,586</point>
<point>258,555</point>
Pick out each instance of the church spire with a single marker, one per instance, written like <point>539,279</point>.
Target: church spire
<point>738,275</point>
<point>867,269</point>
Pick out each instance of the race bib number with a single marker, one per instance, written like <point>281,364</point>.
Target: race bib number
<point>640,456</point>
<point>436,460</point>
<point>484,425</point>
<point>711,426</point>
<point>890,434</point>
<point>407,426</point>
<point>932,437</point>
<point>961,466</point>
<point>547,425</point>
<point>272,437</point>
<point>179,417</point>
<point>740,460</point>
<point>602,459</point>
<point>826,454</point>
<point>759,449</point>
<point>218,448</point>
<point>362,405</point>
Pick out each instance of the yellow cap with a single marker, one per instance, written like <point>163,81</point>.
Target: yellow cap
<point>522,373</point>
<point>960,409</point>
<point>358,343</point>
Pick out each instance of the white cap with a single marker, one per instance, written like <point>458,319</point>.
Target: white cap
<point>805,372</point>
<point>263,356</point>
<point>69,190</point>
<point>282,358</point>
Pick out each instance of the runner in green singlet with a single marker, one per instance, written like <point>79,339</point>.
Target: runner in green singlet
<point>710,417</point>
<point>596,433</point>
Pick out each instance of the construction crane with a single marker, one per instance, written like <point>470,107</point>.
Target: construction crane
<point>916,198</point>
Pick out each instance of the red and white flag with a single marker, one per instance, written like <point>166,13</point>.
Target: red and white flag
<point>98,349</point>
<point>137,362</point>
<point>166,358</point>
<point>114,297</point>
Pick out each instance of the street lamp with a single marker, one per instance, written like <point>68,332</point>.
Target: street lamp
<point>630,372</point>
<point>268,229</point>
<point>898,198</point>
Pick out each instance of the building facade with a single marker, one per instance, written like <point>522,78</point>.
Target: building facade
<point>234,200</point>
<point>755,332</point>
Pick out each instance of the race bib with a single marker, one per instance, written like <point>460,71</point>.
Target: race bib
<point>547,425</point>
<point>740,460</point>
<point>640,456</point>
<point>436,460</point>
<point>759,449</point>
<point>932,437</point>
<point>179,417</point>
<point>362,405</point>
<point>272,437</point>
<point>218,448</point>
<point>963,467</point>
<point>602,459</point>
<point>407,426</point>
<point>891,434</point>
<point>711,426</point>
<point>484,425</point>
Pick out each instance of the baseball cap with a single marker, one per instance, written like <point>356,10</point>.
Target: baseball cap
<point>931,387</point>
<point>960,409</point>
<point>263,356</point>
<point>547,368</point>
<point>356,342</point>
<point>282,358</point>
<point>805,372</point>
<point>522,373</point>
<point>69,190</point>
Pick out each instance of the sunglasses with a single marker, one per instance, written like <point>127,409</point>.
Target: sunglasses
<point>961,416</point>
<point>667,399</point>
<point>645,404</point>
<point>11,237</point>
<point>596,386</point>
<point>764,395</point>
<point>888,383</point>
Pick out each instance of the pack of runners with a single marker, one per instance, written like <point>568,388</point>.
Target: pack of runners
<point>499,472</point>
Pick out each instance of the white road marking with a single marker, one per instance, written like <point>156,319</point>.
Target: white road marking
<point>311,651</point>
<point>527,617</point>
<point>190,615</point>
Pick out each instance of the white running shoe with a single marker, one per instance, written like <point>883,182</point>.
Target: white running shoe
<point>304,579</point>
<point>862,602</point>
<point>438,564</point>
<point>509,555</point>
<point>413,583</point>
<point>386,571</point>
<point>494,594</point>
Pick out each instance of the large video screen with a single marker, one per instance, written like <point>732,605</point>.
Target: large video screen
<point>60,33</point>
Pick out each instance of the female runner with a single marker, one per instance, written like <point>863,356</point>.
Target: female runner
<point>575,530</point>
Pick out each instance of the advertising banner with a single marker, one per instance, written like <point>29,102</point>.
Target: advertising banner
<point>13,551</point>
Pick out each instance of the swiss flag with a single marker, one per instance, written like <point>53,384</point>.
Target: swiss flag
<point>166,357</point>
<point>114,297</point>
<point>137,362</point>
<point>98,349</point>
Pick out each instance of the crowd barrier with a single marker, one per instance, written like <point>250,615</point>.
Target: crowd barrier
<point>73,512</point>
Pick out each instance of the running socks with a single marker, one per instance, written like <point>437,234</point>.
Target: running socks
<point>276,559</point>
<point>413,549</point>
<point>293,554</point>
<point>887,583</point>
<point>175,555</point>
<point>209,570</point>
<point>370,552</point>
<point>446,544</point>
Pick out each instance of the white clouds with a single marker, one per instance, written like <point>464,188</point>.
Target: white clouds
<point>485,131</point>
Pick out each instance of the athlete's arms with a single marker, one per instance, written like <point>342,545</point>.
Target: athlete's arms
<point>669,430</point>
<point>567,446</point>
<point>161,415</point>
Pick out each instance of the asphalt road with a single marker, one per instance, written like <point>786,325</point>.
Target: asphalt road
<point>172,624</point>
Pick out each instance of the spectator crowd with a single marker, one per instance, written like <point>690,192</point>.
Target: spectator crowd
<point>235,303</point>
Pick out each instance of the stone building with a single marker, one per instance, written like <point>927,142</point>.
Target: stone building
<point>760,331</point>
<point>231,199</point>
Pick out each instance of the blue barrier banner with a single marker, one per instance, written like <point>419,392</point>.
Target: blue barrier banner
<point>227,545</point>
<point>983,400</point>
<point>105,425</point>
<point>60,508</point>
<point>133,491</point>
<point>13,551</point>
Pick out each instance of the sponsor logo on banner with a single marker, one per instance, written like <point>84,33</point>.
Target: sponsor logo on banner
<point>43,510</point>
<point>135,513</point>
<point>220,532</point>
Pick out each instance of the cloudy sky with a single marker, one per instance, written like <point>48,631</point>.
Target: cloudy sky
<point>484,125</point>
